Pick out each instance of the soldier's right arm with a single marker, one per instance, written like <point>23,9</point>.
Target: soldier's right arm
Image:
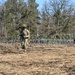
<point>28,33</point>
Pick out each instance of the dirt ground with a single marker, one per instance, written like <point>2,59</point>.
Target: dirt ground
<point>37,60</point>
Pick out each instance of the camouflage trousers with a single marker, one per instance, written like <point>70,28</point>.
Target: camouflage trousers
<point>24,43</point>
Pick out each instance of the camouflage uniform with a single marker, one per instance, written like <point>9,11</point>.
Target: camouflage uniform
<point>24,37</point>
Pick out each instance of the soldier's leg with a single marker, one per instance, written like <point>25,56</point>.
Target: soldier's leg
<point>26,44</point>
<point>22,43</point>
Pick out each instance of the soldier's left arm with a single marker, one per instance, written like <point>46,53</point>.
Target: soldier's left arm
<point>28,33</point>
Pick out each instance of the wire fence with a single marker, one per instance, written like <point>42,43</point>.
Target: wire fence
<point>52,41</point>
<point>43,41</point>
<point>70,41</point>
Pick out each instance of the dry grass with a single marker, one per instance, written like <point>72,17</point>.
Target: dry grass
<point>38,60</point>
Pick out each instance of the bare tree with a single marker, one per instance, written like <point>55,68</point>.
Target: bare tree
<point>57,16</point>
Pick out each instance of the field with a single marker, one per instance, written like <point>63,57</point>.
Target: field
<point>37,60</point>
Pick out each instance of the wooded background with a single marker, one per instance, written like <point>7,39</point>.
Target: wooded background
<point>56,19</point>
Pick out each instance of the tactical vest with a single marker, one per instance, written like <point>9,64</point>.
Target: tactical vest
<point>22,33</point>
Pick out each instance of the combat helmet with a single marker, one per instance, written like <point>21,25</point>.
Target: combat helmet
<point>24,25</point>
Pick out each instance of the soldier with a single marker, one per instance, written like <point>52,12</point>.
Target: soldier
<point>24,36</point>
